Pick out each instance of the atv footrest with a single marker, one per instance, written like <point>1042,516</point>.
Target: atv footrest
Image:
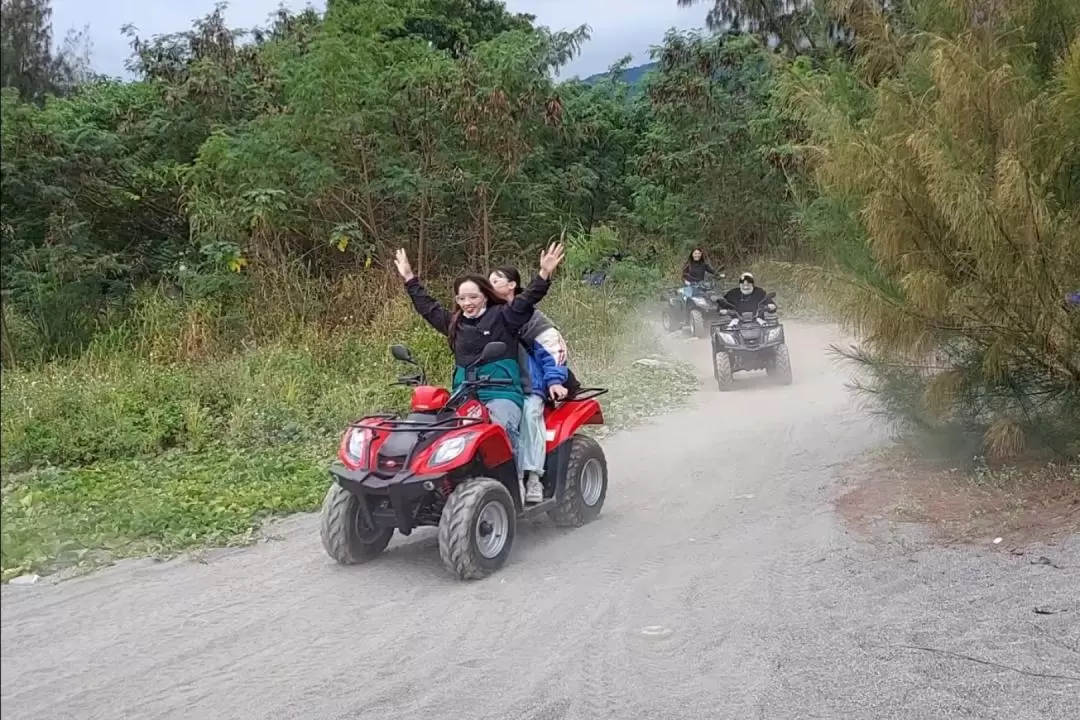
<point>531,511</point>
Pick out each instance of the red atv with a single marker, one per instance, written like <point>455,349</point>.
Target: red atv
<point>446,464</point>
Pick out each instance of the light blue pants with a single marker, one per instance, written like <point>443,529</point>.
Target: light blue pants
<point>687,291</point>
<point>533,436</point>
<point>508,414</point>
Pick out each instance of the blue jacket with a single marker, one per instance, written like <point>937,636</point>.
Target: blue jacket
<point>545,355</point>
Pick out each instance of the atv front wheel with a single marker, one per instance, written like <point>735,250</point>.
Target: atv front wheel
<point>477,528</point>
<point>780,369</point>
<point>697,324</point>
<point>725,376</point>
<point>667,321</point>
<point>345,534</point>
<point>586,484</point>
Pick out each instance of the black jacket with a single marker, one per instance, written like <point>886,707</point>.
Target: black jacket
<point>499,322</point>
<point>745,303</point>
<point>694,271</point>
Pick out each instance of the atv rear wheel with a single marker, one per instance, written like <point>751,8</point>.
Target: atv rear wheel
<point>345,535</point>
<point>780,368</point>
<point>697,324</point>
<point>477,528</point>
<point>725,376</point>
<point>586,484</point>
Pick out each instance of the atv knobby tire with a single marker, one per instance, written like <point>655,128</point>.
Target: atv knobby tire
<point>345,536</point>
<point>697,324</point>
<point>667,321</point>
<point>780,369</point>
<point>458,528</point>
<point>725,376</point>
<point>574,509</point>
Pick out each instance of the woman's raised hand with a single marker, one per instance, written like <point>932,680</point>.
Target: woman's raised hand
<point>401,260</point>
<point>550,259</point>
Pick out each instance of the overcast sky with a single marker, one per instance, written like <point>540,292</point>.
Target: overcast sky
<point>616,29</point>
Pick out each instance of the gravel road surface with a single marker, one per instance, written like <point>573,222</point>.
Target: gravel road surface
<point>718,583</point>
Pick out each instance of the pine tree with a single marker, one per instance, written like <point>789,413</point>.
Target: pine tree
<point>28,61</point>
<point>949,170</point>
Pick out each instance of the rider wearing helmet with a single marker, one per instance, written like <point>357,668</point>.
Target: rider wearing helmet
<point>747,296</point>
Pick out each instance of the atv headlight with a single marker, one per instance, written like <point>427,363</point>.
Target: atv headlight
<point>772,334</point>
<point>450,448</point>
<point>357,443</point>
<point>726,338</point>
<point>354,447</point>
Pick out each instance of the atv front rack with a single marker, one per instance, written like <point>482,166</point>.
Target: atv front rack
<point>390,422</point>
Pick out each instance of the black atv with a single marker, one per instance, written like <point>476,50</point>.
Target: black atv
<point>697,312</point>
<point>756,342</point>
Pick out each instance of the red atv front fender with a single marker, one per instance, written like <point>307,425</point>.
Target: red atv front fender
<point>488,443</point>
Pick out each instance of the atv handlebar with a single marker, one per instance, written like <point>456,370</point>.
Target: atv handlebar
<point>468,387</point>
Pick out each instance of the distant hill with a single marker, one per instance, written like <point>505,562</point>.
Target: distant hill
<point>631,75</point>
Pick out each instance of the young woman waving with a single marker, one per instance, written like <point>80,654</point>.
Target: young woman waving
<point>480,317</point>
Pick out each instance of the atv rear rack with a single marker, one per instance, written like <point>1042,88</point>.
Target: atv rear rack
<point>585,394</point>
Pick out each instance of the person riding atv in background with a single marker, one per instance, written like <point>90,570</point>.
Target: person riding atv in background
<point>483,317</point>
<point>694,271</point>
<point>545,375</point>
<point>747,296</point>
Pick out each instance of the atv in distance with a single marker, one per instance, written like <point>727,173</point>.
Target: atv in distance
<point>755,342</point>
<point>447,465</point>
<point>695,312</point>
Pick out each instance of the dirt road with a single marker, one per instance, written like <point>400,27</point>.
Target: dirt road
<point>717,584</point>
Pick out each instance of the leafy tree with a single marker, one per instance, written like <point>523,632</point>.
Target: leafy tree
<point>703,175</point>
<point>456,26</point>
<point>244,165</point>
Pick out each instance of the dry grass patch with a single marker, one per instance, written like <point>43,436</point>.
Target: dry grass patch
<point>1024,503</point>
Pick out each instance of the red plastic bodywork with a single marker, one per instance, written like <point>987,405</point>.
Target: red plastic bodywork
<point>474,409</point>
<point>429,398</point>
<point>568,418</point>
<point>372,442</point>
<point>488,441</point>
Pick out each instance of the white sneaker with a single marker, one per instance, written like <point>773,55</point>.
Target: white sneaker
<point>534,490</point>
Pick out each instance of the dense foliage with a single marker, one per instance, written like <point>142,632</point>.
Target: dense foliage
<point>314,147</point>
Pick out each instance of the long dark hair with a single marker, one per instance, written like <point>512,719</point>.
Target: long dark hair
<point>511,274</point>
<point>690,258</point>
<point>486,290</point>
